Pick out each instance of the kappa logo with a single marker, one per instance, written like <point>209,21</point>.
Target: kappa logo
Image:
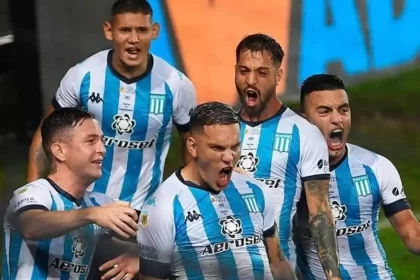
<point>123,124</point>
<point>248,162</point>
<point>95,97</point>
<point>193,216</point>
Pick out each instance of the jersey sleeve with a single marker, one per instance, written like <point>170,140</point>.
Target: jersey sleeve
<point>269,214</point>
<point>67,94</point>
<point>156,236</point>
<point>391,188</point>
<point>185,100</point>
<point>314,156</point>
<point>30,197</point>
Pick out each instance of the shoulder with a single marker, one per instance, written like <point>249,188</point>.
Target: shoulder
<point>363,156</point>
<point>173,77</point>
<point>38,187</point>
<point>304,127</point>
<point>81,69</point>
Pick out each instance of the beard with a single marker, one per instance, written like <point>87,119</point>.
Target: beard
<point>263,99</point>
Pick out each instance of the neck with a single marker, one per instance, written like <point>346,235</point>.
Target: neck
<point>192,174</point>
<point>272,107</point>
<point>127,71</point>
<point>66,180</point>
<point>334,161</point>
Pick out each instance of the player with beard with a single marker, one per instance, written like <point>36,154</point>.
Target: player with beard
<point>207,221</point>
<point>283,150</point>
<point>361,182</point>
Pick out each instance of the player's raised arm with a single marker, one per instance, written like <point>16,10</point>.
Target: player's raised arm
<point>156,238</point>
<point>66,96</point>
<point>185,100</point>
<point>315,177</point>
<point>279,265</point>
<point>396,206</point>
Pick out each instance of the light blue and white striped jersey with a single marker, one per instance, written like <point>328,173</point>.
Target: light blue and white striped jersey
<point>136,117</point>
<point>360,183</point>
<point>65,257</point>
<point>189,233</point>
<point>284,151</point>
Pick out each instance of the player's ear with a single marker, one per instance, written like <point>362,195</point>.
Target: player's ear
<point>279,74</point>
<point>108,30</point>
<point>192,147</point>
<point>59,151</point>
<point>155,30</point>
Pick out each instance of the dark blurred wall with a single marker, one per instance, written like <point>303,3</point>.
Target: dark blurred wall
<point>68,31</point>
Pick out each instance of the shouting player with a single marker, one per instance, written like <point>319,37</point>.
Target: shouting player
<point>207,221</point>
<point>135,96</point>
<point>361,182</point>
<point>283,149</point>
<point>52,225</point>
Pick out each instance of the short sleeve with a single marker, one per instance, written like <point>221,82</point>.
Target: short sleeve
<point>185,100</point>
<point>391,188</point>
<point>31,197</point>
<point>67,94</point>
<point>314,156</point>
<point>156,236</point>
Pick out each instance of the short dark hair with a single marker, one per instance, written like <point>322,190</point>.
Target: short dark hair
<point>212,113</point>
<point>58,124</point>
<point>319,82</point>
<point>131,6</point>
<point>261,43</point>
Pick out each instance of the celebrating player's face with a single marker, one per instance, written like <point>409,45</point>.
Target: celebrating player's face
<point>85,150</point>
<point>131,34</point>
<point>216,152</point>
<point>329,110</point>
<point>256,78</point>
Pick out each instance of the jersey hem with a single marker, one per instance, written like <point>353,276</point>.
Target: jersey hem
<point>31,207</point>
<point>316,177</point>
<point>183,128</point>
<point>396,207</point>
<point>55,103</point>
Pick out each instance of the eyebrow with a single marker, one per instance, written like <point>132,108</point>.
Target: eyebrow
<point>329,107</point>
<point>259,68</point>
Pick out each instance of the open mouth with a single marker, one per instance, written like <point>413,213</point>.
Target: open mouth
<point>133,52</point>
<point>97,161</point>
<point>224,176</point>
<point>251,97</point>
<point>335,141</point>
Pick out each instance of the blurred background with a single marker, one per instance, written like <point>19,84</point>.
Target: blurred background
<point>373,45</point>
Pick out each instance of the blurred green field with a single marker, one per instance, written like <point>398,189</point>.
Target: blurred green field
<point>385,120</point>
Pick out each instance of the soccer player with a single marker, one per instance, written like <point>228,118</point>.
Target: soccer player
<point>361,182</point>
<point>282,149</point>
<point>135,96</point>
<point>51,225</point>
<point>206,221</point>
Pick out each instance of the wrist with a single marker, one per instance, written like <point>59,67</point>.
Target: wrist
<point>89,215</point>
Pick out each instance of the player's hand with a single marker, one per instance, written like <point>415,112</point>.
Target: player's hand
<point>123,267</point>
<point>118,217</point>
<point>241,171</point>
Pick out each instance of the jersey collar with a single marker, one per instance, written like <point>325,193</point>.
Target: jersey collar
<point>253,124</point>
<point>334,166</point>
<point>78,202</point>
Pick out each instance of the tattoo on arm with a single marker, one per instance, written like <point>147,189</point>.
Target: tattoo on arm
<point>279,252</point>
<point>321,224</point>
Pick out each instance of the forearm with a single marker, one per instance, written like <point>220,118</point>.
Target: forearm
<point>52,224</point>
<point>323,233</point>
<point>37,160</point>
<point>282,271</point>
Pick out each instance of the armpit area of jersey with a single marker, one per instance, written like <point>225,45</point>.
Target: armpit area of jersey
<point>396,206</point>
<point>154,269</point>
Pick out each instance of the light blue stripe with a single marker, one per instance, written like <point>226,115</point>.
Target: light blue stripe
<point>239,207</point>
<point>265,148</point>
<point>226,261</point>
<point>90,233</point>
<point>84,91</point>
<point>40,268</point>
<point>189,257</point>
<point>376,196</point>
<point>5,266</point>
<point>109,110</point>
<point>68,241</point>
<point>16,241</point>
<point>348,197</point>
<point>243,128</point>
<point>157,170</point>
<point>344,273</point>
<point>135,156</point>
<point>289,192</point>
